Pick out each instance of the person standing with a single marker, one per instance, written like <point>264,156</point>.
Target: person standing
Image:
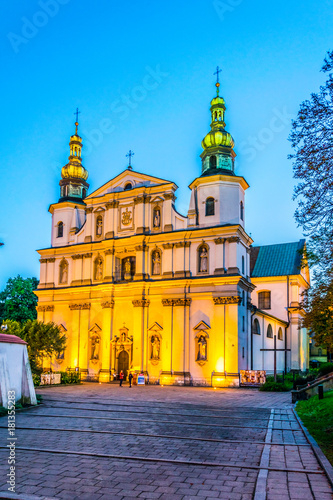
<point>121,378</point>
<point>130,379</point>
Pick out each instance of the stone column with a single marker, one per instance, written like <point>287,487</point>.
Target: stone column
<point>141,271</point>
<point>179,259</point>
<point>42,280</point>
<point>167,211</point>
<point>107,326</point>
<point>89,225</point>
<point>167,260</point>
<point>111,219</point>
<point>79,337</point>
<point>109,255</point>
<point>140,325</point>
<point>86,273</point>
<point>77,269</point>
<point>219,256</point>
<point>232,255</point>
<point>50,272</point>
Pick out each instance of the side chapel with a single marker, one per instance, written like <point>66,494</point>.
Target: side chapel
<point>137,286</point>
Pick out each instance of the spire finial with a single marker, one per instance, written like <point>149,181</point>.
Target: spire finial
<point>77,112</point>
<point>129,156</point>
<point>217,84</point>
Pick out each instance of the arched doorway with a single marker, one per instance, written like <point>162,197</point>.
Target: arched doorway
<point>123,363</point>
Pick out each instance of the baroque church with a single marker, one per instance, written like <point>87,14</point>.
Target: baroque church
<point>184,299</point>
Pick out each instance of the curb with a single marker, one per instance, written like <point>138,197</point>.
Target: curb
<point>7,495</point>
<point>317,450</point>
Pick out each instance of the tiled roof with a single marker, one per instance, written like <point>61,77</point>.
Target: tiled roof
<point>11,339</point>
<point>277,260</point>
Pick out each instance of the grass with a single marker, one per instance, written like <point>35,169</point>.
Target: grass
<point>317,416</point>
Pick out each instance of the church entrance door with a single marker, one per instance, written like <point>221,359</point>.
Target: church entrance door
<point>123,363</point>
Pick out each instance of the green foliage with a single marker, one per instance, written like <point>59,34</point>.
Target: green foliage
<point>318,306</point>
<point>317,416</point>
<point>36,379</point>
<point>43,339</point>
<point>312,141</point>
<point>18,301</point>
<point>271,386</point>
<point>325,368</point>
<point>70,377</point>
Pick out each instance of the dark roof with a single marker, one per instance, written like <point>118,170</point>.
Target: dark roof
<point>11,339</point>
<point>277,260</point>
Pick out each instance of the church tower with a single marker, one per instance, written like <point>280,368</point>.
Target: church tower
<point>218,155</point>
<point>73,185</point>
<point>218,195</point>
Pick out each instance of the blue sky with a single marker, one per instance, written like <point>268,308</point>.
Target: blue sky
<point>141,72</point>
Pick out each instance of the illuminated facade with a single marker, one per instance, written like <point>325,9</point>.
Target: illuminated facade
<point>137,286</point>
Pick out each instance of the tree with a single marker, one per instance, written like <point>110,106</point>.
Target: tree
<point>44,339</point>
<point>319,314</point>
<point>18,301</point>
<point>312,140</point>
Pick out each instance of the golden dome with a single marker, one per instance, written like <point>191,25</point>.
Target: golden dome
<point>74,170</point>
<point>217,100</point>
<point>216,138</point>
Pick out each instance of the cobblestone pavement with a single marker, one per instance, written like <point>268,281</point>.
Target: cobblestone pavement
<point>103,442</point>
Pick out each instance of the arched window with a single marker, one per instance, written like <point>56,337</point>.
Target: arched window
<point>280,334</point>
<point>60,230</point>
<point>243,298</point>
<point>256,327</point>
<point>210,208</point>
<point>212,161</point>
<point>264,300</point>
<point>243,264</point>
<point>84,192</point>
<point>63,272</point>
<point>128,186</point>
<point>269,331</point>
<point>203,259</point>
<point>241,210</point>
<point>99,225</point>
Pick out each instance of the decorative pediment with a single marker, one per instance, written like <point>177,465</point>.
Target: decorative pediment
<point>155,327</point>
<point>95,329</point>
<point>157,199</point>
<point>137,179</point>
<point>202,330</point>
<point>62,328</point>
<point>202,326</point>
<point>99,209</point>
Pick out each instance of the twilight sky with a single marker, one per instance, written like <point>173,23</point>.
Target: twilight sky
<point>141,72</point>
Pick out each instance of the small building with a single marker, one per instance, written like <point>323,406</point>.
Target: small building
<point>15,372</point>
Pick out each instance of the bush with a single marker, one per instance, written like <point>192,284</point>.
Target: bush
<point>272,386</point>
<point>70,377</point>
<point>325,368</point>
<point>36,379</point>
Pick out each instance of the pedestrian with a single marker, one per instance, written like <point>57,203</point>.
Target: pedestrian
<point>115,376</point>
<point>121,377</point>
<point>130,379</point>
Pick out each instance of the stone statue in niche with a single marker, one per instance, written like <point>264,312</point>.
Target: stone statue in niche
<point>95,345</point>
<point>156,262</point>
<point>99,269</point>
<point>128,266</point>
<point>203,267</point>
<point>157,218</point>
<point>99,226</point>
<point>63,278</point>
<point>202,349</point>
<point>155,347</point>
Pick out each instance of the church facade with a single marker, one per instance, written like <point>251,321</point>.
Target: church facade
<point>137,286</point>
